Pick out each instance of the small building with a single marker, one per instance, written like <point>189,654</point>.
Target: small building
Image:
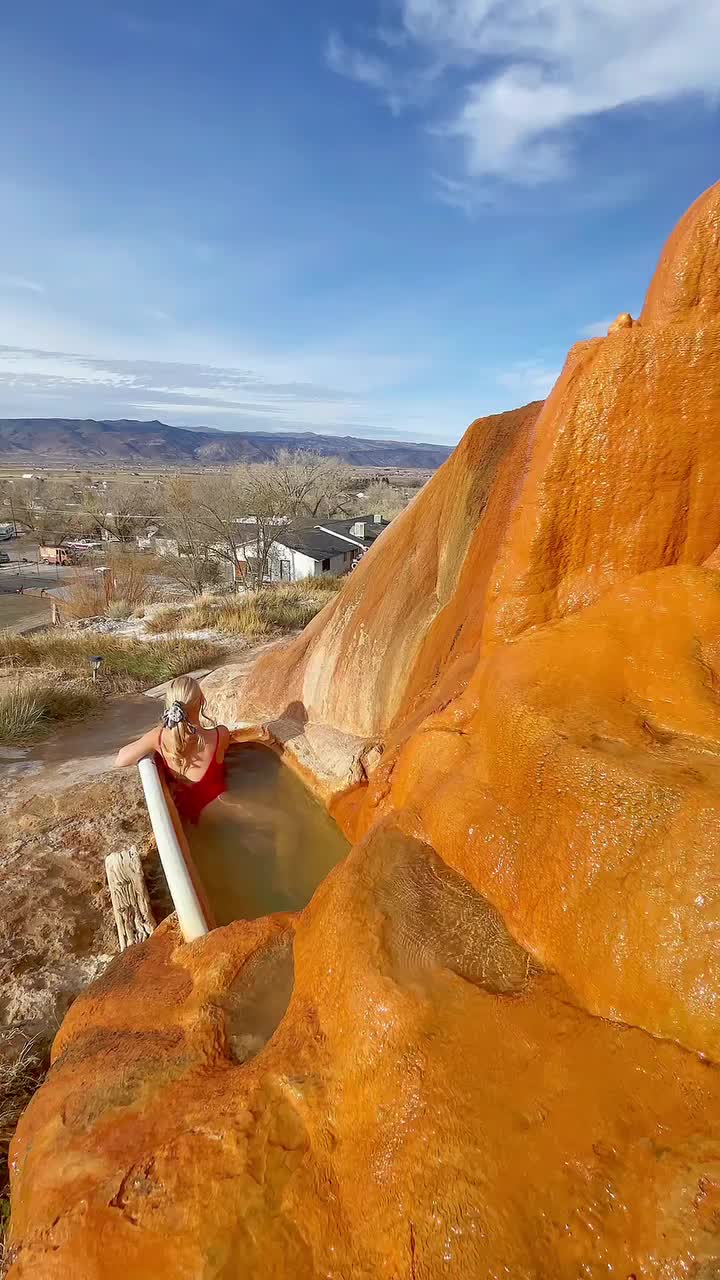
<point>304,550</point>
<point>160,540</point>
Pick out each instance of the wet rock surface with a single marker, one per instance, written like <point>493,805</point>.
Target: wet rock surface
<point>400,1116</point>
<point>496,1051</point>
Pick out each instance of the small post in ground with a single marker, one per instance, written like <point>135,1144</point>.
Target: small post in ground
<point>130,902</point>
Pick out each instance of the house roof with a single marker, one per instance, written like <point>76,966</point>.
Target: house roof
<point>372,529</point>
<point>311,541</point>
<point>328,537</point>
<point>158,531</point>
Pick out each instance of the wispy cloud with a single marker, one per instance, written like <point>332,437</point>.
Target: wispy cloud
<point>528,379</point>
<point>459,193</point>
<point>399,89</point>
<point>598,328</point>
<point>365,68</point>
<point>20,282</point>
<point>157,314</point>
<point>62,384</point>
<point>529,75</point>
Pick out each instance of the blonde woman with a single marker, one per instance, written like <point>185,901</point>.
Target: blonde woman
<point>191,754</point>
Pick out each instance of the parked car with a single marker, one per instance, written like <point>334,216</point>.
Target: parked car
<point>4,557</point>
<point>85,544</point>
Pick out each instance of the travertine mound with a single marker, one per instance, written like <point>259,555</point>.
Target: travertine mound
<point>403,1119</point>
<point>514,709</point>
<point>576,783</point>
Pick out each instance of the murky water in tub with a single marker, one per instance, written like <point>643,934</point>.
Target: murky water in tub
<point>266,844</point>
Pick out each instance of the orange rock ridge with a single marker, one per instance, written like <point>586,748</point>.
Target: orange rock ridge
<point>487,1048</point>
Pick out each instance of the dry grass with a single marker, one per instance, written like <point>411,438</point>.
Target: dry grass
<point>128,584</point>
<point>272,610</point>
<point>164,621</point>
<point>35,707</point>
<point>243,618</point>
<point>128,665</point>
<point>84,597</point>
<point>21,1073</point>
<point>327,585</point>
<point>119,610</point>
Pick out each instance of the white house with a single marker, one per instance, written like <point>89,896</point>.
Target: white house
<point>310,550</point>
<point>159,540</point>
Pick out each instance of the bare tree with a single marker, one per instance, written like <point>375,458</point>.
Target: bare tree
<point>265,508</point>
<point>195,567</point>
<point>237,514</point>
<point>48,510</point>
<point>384,499</point>
<point>255,562</point>
<point>219,502</point>
<point>196,571</point>
<point>7,503</point>
<point>121,511</point>
<point>307,485</point>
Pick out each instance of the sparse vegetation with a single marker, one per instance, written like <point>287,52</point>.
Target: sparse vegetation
<point>287,607</point>
<point>84,597</point>
<point>127,584</point>
<point>34,707</point>
<point>386,499</point>
<point>328,584</point>
<point>164,620</point>
<point>246,618</point>
<point>127,665</point>
<point>119,610</point>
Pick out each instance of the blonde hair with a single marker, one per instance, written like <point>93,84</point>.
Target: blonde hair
<point>182,738</point>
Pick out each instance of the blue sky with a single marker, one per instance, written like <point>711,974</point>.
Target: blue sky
<point>379,217</point>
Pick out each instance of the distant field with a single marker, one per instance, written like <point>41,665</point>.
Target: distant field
<point>400,476</point>
<point>59,472</point>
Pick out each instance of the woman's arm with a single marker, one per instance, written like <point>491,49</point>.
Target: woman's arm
<point>135,751</point>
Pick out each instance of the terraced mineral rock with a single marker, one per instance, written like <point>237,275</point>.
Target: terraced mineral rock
<point>426,1105</point>
<point>489,1046</point>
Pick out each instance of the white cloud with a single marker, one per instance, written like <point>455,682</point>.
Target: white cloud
<point>598,328</point>
<point>20,282</point>
<point>455,192</point>
<point>157,314</point>
<point>35,383</point>
<point>531,73</point>
<point>528,379</point>
<point>399,90</point>
<point>365,68</point>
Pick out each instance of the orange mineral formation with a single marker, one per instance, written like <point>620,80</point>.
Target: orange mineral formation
<point>489,1047</point>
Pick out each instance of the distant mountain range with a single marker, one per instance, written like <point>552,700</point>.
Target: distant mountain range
<point>44,441</point>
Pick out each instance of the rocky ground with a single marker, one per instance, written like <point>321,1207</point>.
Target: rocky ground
<point>63,810</point>
<point>56,926</point>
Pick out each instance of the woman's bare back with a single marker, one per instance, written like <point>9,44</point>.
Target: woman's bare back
<point>207,745</point>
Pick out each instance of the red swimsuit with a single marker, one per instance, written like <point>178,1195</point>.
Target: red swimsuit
<point>192,797</point>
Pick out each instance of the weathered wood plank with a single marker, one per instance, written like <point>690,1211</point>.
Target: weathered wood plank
<point>130,902</point>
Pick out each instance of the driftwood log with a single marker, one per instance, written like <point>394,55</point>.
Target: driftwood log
<point>130,902</point>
